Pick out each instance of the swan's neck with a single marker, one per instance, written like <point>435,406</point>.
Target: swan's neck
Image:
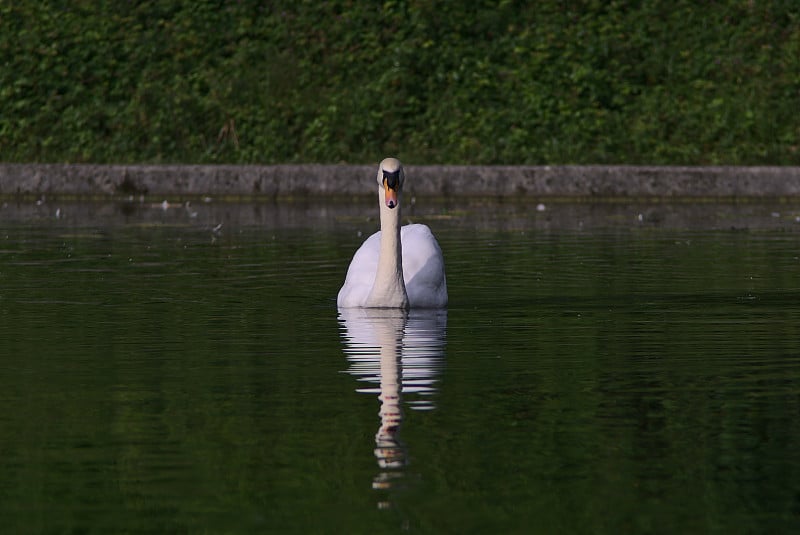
<point>389,290</point>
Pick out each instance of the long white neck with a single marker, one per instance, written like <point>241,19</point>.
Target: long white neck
<point>389,290</point>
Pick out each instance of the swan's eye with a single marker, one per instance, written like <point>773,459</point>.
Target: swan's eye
<point>391,179</point>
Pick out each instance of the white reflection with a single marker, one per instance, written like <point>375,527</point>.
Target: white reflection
<point>397,355</point>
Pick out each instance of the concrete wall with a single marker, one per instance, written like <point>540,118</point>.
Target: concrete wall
<point>436,181</point>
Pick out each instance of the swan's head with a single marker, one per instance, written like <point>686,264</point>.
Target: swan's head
<point>390,178</point>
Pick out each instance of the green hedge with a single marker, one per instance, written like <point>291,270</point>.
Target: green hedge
<point>472,82</point>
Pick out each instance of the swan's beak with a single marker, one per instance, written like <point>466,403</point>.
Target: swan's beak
<point>391,195</point>
<point>391,185</point>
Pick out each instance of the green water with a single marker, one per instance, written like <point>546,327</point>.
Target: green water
<point>160,373</point>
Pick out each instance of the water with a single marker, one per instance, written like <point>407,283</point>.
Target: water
<point>601,368</point>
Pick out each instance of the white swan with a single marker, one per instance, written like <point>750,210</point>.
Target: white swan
<point>397,267</point>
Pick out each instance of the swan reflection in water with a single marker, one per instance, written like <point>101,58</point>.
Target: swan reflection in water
<point>397,355</point>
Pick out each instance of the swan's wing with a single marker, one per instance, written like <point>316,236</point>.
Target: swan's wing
<point>423,267</point>
<point>361,274</point>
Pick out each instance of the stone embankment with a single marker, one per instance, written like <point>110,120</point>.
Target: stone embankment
<point>306,180</point>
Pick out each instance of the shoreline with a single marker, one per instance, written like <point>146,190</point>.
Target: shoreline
<point>251,182</point>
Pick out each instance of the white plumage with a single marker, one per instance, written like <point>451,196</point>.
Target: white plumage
<point>397,267</point>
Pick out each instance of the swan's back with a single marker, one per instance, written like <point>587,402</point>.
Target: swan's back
<point>423,270</point>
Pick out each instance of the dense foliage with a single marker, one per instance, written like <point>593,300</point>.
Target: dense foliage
<point>476,82</point>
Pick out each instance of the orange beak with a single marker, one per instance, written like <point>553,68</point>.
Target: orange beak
<point>391,196</point>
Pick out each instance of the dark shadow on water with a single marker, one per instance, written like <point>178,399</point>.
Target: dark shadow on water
<point>478,213</point>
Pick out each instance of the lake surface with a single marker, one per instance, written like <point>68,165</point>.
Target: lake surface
<point>600,369</point>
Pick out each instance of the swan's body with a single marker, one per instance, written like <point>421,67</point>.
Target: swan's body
<point>423,271</point>
<point>397,267</point>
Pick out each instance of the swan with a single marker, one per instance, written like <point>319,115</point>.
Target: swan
<point>397,267</point>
